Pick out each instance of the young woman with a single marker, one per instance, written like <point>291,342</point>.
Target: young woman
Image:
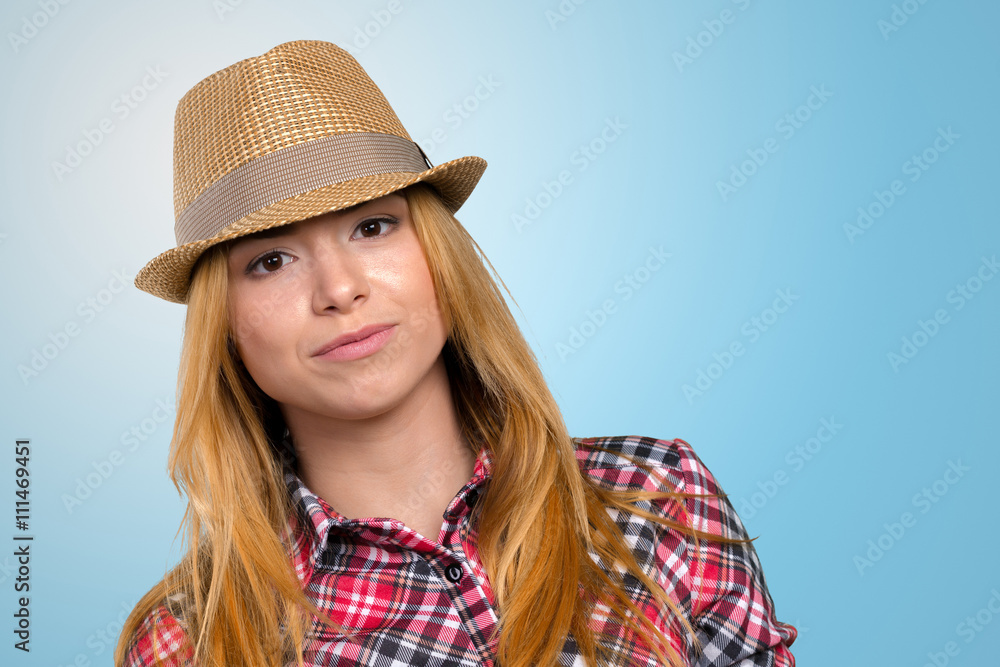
<point>376,470</point>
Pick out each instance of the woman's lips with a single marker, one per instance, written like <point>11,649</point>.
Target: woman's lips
<point>374,338</point>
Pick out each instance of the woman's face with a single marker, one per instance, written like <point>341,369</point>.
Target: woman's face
<point>296,289</point>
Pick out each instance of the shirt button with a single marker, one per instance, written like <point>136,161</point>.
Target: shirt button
<point>453,573</point>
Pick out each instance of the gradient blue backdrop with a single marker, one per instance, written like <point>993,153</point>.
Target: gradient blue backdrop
<point>668,99</point>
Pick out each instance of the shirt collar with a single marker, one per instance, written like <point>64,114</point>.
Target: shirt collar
<point>313,518</point>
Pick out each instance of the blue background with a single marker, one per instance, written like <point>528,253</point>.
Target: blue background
<point>860,589</point>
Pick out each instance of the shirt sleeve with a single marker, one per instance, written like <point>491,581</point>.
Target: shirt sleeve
<point>732,611</point>
<point>160,640</point>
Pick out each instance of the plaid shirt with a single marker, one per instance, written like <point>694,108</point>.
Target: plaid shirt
<point>413,601</point>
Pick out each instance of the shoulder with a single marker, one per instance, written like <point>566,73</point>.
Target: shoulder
<point>626,460</point>
<point>634,463</point>
<point>160,639</point>
<point>730,606</point>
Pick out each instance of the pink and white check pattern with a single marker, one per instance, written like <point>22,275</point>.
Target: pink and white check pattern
<point>411,600</point>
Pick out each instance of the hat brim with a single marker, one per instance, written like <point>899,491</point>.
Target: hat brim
<point>168,275</point>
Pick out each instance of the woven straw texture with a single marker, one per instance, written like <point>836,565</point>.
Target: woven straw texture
<point>252,114</point>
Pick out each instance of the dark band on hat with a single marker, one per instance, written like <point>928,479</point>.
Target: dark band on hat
<point>291,171</point>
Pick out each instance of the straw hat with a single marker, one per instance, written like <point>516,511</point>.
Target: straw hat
<point>299,131</point>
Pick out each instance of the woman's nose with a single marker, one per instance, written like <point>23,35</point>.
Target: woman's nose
<point>340,281</point>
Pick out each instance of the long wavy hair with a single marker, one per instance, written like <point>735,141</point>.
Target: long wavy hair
<point>541,521</point>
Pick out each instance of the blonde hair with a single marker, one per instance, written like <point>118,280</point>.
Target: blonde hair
<point>540,518</point>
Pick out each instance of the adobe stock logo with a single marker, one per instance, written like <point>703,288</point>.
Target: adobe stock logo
<point>29,28</point>
<point>899,17</point>
<point>787,126</point>
<point>122,108</point>
<point>381,18</point>
<point>924,500</point>
<point>752,329</point>
<point>223,7</point>
<point>796,458</point>
<point>102,469</point>
<point>582,158</point>
<point>704,39</point>
<point>456,115</point>
<point>565,9</point>
<point>43,355</point>
<point>629,285</point>
<point>968,629</point>
<point>963,293</point>
<point>915,168</point>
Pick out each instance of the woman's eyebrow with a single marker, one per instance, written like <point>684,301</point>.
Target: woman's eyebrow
<point>280,230</point>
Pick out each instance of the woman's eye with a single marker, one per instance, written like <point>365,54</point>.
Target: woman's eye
<point>376,227</point>
<point>269,262</point>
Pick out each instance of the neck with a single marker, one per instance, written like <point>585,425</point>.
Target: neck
<point>406,463</point>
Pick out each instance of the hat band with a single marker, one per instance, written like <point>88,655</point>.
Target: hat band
<point>292,171</point>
